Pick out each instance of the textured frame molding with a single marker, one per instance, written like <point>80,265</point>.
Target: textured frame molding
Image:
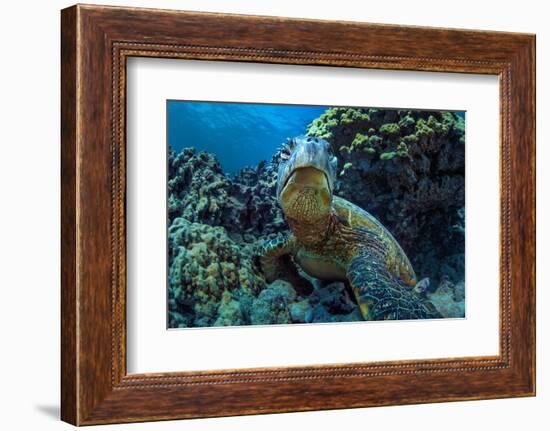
<point>96,41</point>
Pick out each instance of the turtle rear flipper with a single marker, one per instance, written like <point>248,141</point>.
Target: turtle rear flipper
<point>381,296</point>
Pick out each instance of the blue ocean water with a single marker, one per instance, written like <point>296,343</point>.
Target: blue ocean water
<point>239,134</point>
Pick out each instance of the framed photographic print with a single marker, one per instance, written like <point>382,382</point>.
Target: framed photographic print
<point>285,220</point>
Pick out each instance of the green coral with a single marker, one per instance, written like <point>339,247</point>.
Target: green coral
<point>331,122</point>
<point>410,139</point>
<point>353,115</point>
<point>388,133</point>
<point>388,156</point>
<point>401,151</point>
<point>440,127</point>
<point>347,166</point>
<point>406,122</point>
<point>364,143</point>
<point>321,125</point>
<point>381,131</point>
<point>390,129</point>
<point>359,140</point>
<point>375,140</point>
<point>423,129</point>
<point>336,118</point>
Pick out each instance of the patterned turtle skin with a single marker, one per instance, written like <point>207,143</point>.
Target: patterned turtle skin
<point>334,240</point>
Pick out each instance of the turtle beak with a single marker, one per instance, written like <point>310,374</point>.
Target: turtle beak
<point>308,178</point>
<point>310,154</point>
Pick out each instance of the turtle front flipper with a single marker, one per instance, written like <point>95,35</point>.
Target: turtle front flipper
<point>277,263</point>
<point>381,296</point>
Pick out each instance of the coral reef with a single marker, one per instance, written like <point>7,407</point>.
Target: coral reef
<point>216,281</point>
<point>199,191</point>
<point>405,167</point>
<point>209,273</point>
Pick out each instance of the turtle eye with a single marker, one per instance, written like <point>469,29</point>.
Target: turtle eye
<point>286,149</point>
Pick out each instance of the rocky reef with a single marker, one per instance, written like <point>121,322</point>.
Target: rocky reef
<point>405,167</point>
<point>199,191</point>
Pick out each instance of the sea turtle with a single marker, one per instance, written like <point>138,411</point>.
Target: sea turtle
<point>333,239</point>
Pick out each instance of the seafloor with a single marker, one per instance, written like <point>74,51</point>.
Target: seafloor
<point>404,167</point>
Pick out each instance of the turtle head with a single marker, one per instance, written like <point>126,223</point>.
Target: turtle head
<point>306,176</point>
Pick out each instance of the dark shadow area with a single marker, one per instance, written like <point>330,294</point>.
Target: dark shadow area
<point>52,411</point>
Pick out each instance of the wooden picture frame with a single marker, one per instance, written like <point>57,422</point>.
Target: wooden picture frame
<point>95,43</point>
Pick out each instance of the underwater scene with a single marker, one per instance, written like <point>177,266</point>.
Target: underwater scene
<point>291,214</point>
